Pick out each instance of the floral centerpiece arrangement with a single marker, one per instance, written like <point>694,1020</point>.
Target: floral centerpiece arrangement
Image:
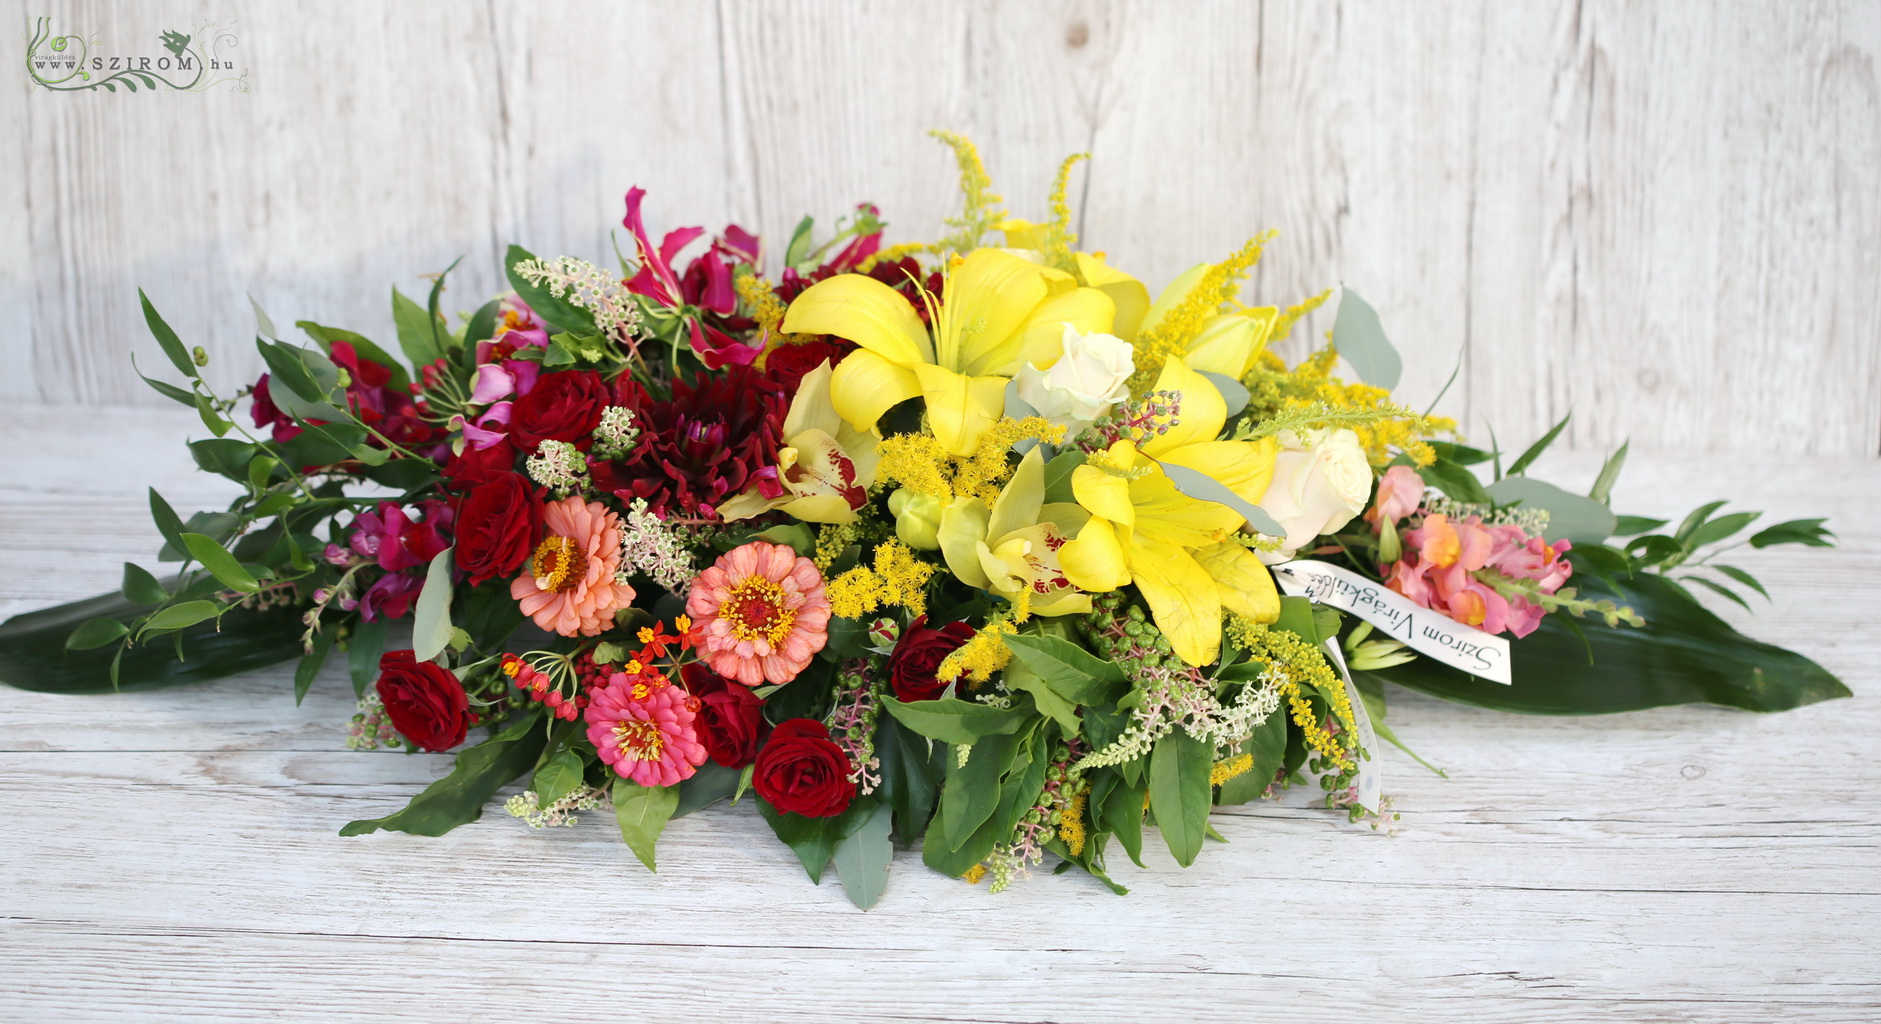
<point>981,545</point>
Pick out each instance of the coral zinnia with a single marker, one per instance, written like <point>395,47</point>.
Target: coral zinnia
<point>713,439</point>
<point>645,731</point>
<point>761,613</point>
<point>568,586</point>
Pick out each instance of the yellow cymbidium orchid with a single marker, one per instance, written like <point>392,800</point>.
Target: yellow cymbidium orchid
<point>825,466</point>
<point>1175,548</point>
<point>1012,548</point>
<point>997,312</point>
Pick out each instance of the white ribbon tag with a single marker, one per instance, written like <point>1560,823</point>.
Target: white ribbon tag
<point>1425,631</point>
<point>1371,776</point>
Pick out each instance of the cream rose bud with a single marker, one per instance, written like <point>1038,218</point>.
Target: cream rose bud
<point>1083,384</point>
<point>1321,480</point>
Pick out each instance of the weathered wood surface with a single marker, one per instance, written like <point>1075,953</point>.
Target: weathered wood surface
<point>1660,216</point>
<point>173,855</point>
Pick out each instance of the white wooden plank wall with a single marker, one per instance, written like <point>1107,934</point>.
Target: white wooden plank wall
<point>1662,216</point>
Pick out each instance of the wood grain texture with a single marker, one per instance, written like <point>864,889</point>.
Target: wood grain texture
<point>1660,217</point>
<point>173,855</point>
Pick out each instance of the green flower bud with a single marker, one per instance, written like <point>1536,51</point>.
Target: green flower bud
<point>917,519</point>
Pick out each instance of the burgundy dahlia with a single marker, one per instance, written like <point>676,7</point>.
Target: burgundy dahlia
<point>712,440</point>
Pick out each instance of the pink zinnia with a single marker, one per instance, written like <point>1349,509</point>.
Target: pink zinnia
<point>568,586</point>
<point>644,729</point>
<point>760,613</point>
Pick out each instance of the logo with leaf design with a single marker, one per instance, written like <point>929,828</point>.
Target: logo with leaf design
<point>196,61</point>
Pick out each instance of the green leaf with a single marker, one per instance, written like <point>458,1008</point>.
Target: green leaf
<point>310,664</point>
<point>1361,340</point>
<point>1715,530</point>
<point>1179,792</point>
<point>178,616</point>
<point>458,798</point>
<point>1602,491</point>
<point>1524,460</point>
<point>289,376</point>
<point>863,857</point>
<point>140,587</point>
<point>431,622</point>
<point>1628,526</point>
<point>210,418</point>
<point>1461,454</point>
<point>1020,677</point>
<point>1123,816</point>
<point>224,456</point>
<point>952,720</point>
<point>1743,577</point>
<point>167,390</point>
<point>800,242</point>
<point>557,312</point>
<point>1454,480</point>
<point>795,536</point>
<point>166,339</point>
<point>813,840</point>
<point>417,331</point>
<point>1796,531</point>
<point>710,784</point>
<point>33,654</point>
<point>1196,484</point>
<point>1693,521</point>
<point>264,324</point>
<point>1058,476</point>
<point>482,325</point>
<point>168,523</point>
<point>557,777</point>
<point>363,650</point>
<point>1570,516</point>
<point>362,346</point>
<point>971,793</point>
<point>911,776</point>
<point>216,558</point>
<point>1683,655</point>
<point>440,334</point>
<point>1068,669</point>
<point>93,633</point>
<point>1372,691</point>
<point>1717,588</point>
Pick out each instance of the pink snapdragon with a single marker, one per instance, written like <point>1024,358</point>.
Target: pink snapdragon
<point>1443,557</point>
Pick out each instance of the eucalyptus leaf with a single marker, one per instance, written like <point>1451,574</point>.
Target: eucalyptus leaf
<point>863,857</point>
<point>431,622</point>
<point>1233,392</point>
<point>1197,484</point>
<point>1361,340</point>
<point>1570,516</point>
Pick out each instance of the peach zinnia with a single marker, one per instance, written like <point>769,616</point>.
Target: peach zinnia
<point>760,613</point>
<point>568,587</point>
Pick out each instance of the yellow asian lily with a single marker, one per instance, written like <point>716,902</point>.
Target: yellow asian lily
<point>1012,548</point>
<point>997,311</point>
<point>1174,547</point>
<point>824,467</point>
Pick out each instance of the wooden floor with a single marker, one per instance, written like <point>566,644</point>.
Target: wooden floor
<point>173,856</point>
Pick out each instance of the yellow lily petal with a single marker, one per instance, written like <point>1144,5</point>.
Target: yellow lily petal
<point>1019,503</point>
<point>1127,293</point>
<point>1093,560</point>
<point>987,296</point>
<point>962,533</point>
<point>1103,495</point>
<point>1166,514</point>
<point>865,385</point>
<point>1022,234</point>
<point>1244,467</point>
<point>865,311</point>
<point>1182,599</point>
<point>1172,296</point>
<point>1247,588</point>
<point>1064,602</point>
<point>1201,415</point>
<point>960,409</point>
<point>1041,339</point>
<point>1227,344</point>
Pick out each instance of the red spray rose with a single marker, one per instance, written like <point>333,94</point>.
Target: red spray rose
<point>497,527</point>
<point>802,771</point>
<point>564,406</point>
<point>731,718</point>
<point>425,702</point>
<point>918,655</point>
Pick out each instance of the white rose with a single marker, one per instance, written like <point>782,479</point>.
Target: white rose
<point>1083,384</point>
<point>1321,480</point>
